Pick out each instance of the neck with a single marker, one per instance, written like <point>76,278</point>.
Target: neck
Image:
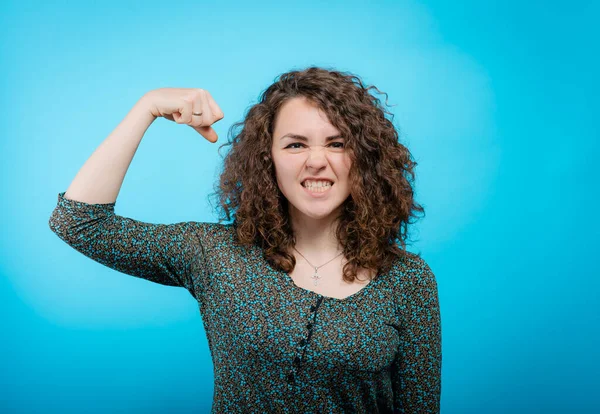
<point>315,238</point>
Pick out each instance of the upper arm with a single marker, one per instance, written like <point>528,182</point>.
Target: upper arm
<point>161,253</point>
<point>416,371</point>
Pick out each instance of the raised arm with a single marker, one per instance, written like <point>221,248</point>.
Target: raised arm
<point>84,216</point>
<point>416,372</point>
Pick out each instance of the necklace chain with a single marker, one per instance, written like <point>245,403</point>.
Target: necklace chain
<point>316,277</point>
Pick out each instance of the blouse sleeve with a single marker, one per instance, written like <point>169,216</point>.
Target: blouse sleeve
<point>161,253</point>
<point>416,371</point>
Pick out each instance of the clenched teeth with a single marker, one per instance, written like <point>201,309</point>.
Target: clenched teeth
<point>316,184</point>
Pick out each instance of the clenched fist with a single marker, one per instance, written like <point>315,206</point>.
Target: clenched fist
<point>190,106</point>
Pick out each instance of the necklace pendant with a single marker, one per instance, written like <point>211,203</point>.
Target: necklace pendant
<point>315,276</point>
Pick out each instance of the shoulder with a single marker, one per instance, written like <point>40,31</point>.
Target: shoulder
<point>412,270</point>
<point>212,234</point>
<point>217,237</point>
<point>415,285</point>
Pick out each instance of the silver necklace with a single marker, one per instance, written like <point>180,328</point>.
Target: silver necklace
<point>316,277</point>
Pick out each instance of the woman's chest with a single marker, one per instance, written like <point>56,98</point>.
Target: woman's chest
<point>301,328</point>
<point>360,336</point>
<point>265,318</point>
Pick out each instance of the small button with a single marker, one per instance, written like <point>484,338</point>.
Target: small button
<point>290,377</point>
<point>309,325</point>
<point>312,308</point>
<point>302,342</point>
<point>297,361</point>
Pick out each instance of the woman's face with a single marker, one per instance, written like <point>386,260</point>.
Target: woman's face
<point>296,159</point>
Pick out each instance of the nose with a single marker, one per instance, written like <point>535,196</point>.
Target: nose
<point>316,157</point>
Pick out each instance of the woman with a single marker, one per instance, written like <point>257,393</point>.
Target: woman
<point>308,302</point>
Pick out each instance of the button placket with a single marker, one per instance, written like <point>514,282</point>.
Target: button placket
<point>297,361</point>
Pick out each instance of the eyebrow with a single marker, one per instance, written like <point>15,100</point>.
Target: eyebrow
<point>303,138</point>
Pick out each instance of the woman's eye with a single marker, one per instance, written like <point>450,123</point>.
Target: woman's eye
<point>341,144</point>
<point>295,143</point>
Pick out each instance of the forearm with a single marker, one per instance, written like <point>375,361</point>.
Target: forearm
<point>99,180</point>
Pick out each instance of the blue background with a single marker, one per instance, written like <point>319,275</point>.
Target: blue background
<point>498,102</point>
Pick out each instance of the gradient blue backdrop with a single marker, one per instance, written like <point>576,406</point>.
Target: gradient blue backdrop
<point>497,102</point>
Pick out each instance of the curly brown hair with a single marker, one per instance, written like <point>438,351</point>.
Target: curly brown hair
<point>376,214</point>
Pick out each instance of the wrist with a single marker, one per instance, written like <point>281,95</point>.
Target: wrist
<point>146,104</point>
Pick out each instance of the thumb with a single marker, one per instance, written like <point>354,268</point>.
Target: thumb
<point>207,132</point>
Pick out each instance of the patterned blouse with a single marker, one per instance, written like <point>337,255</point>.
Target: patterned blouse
<point>277,347</point>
